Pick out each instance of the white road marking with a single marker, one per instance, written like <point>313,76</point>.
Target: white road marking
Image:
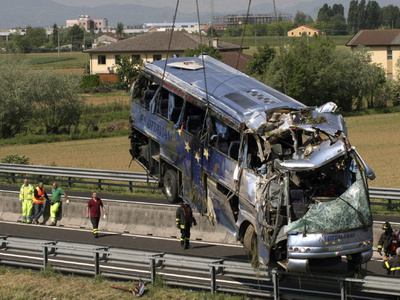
<point>126,234</point>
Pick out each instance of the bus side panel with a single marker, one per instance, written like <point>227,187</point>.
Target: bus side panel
<point>152,125</point>
<point>220,167</point>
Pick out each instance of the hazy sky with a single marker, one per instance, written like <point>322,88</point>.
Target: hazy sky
<point>184,5</point>
<point>219,5</point>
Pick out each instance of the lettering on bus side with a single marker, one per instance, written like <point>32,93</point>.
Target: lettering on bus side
<point>156,128</point>
<point>336,237</point>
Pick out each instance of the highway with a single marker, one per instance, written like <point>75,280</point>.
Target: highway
<point>151,243</point>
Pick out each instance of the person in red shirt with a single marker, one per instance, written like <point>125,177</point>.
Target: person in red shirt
<point>94,207</point>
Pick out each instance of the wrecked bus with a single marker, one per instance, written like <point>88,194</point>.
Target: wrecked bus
<point>281,176</point>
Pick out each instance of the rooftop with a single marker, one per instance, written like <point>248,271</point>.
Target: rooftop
<point>381,37</point>
<point>159,41</point>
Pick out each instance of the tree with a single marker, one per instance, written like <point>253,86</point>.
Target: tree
<point>120,29</point>
<point>373,15</point>
<point>55,35</point>
<point>300,19</point>
<point>361,15</point>
<point>261,59</point>
<point>208,49</point>
<point>316,72</point>
<point>56,99</point>
<point>36,37</point>
<point>127,70</point>
<point>338,9</point>
<point>75,35</point>
<point>352,21</point>
<point>390,15</point>
<point>324,13</point>
<point>16,88</point>
<point>211,32</point>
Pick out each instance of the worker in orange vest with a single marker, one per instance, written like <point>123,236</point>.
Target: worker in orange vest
<point>38,199</point>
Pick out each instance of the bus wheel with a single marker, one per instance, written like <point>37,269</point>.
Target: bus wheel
<point>171,186</point>
<point>250,241</point>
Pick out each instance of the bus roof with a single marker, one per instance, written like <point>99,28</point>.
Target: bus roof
<point>234,93</point>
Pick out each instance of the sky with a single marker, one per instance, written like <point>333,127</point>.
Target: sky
<point>184,5</point>
<point>204,5</point>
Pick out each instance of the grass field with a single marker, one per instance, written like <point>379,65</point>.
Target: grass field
<point>66,60</point>
<point>27,284</point>
<point>376,137</point>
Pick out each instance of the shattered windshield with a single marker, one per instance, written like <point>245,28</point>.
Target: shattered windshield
<point>349,211</point>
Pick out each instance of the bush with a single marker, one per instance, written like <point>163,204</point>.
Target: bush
<point>16,159</point>
<point>90,81</point>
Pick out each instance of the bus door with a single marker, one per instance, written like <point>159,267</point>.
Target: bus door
<point>192,168</point>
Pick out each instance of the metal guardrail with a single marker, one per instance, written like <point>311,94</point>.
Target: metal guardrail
<point>388,194</point>
<point>215,275</point>
<point>75,175</point>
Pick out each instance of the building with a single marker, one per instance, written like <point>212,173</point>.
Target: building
<point>240,20</point>
<point>189,27</point>
<point>304,30</point>
<point>106,39</point>
<point>88,24</point>
<point>384,46</point>
<point>150,47</point>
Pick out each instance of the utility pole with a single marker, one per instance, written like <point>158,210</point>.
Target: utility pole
<point>58,42</point>
<point>212,17</point>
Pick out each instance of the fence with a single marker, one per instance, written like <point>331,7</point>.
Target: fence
<point>215,275</point>
<point>75,175</point>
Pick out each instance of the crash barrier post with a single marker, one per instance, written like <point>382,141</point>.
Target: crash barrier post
<point>233,276</point>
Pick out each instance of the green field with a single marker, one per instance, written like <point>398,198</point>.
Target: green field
<point>64,60</point>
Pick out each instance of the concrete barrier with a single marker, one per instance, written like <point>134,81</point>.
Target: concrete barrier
<point>132,218</point>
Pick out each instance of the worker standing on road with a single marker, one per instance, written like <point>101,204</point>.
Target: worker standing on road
<point>38,199</point>
<point>94,207</point>
<point>385,240</point>
<point>184,220</point>
<point>25,199</point>
<point>392,265</point>
<point>55,203</point>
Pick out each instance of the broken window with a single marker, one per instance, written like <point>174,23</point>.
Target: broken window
<point>348,211</point>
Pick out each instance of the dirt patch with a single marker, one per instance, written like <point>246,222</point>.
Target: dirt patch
<point>71,71</point>
<point>124,99</point>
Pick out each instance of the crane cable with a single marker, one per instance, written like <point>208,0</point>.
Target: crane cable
<point>170,41</point>
<point>244,31</point>
<point>280,50</point>
<point>204,71</point>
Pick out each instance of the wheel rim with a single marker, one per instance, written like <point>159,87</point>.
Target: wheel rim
<point>168,186</point>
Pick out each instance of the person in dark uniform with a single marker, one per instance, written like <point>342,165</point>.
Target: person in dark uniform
<point>184,221</point>
<point>392,265</point>
<point>385,240</point>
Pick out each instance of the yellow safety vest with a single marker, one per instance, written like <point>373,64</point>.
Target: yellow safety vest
<point>29,192</point>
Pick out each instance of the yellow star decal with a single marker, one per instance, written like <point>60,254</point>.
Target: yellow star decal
<point>187,147</point>
<point>197,157</point>
<point>179,132</point>
<point>206,154</point>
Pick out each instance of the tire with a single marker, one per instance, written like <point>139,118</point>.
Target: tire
<point>171,186</point>
<point>250,241</point>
